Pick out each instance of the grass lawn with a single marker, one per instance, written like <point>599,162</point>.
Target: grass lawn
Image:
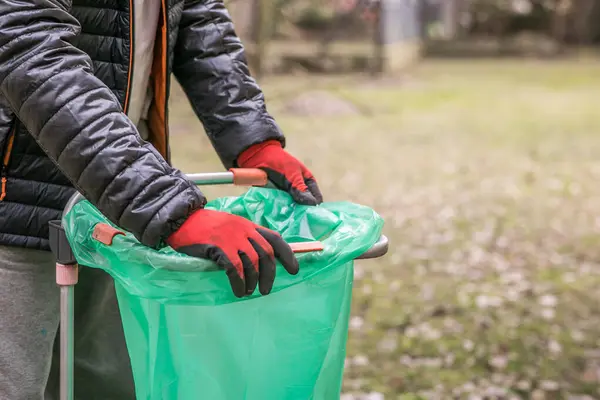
<point>487,174</point>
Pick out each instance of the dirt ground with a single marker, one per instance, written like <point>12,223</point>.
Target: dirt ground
<point>487,174</point>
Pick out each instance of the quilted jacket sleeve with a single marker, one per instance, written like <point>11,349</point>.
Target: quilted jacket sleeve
<point>79,123</point>
<point>210,64</point>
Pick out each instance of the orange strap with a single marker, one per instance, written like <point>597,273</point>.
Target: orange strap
<point>9,146</point>
<point>5,160</point>
<point>3,192</point>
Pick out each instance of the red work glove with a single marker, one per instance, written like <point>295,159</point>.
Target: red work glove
<point>285,171</point>
<point>245,250</point>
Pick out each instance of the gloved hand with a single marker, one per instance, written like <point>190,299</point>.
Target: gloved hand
<point>245,250</point>
<point>284,170</point>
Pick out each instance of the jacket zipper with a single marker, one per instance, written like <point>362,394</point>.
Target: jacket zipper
<point>6,160</point>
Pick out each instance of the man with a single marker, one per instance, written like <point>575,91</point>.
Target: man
<point>83,103</point>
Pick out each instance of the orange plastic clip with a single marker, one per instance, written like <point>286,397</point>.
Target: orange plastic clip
<point>105,233</point>
<point>249,176</point>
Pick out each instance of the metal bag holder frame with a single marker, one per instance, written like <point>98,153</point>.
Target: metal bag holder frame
<point>67,269</point>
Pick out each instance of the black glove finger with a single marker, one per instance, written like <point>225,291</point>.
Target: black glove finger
<point>281,182</point>
<point>238,286</point>
<point>250,274</point>
<point>278,179</point>
<point>283,252</point>
<point>266,265</point>
<point>314,189</point>
<point>233,268</point>
<point>304,198</point>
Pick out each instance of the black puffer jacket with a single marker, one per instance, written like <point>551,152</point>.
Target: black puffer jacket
<point>65,77</point>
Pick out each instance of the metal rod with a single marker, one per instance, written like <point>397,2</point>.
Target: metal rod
<point>66,342</point>
<point>67,277</point>
<point>379,249</point>
<point>208,178</point>
<point>211,178</point>
<point>76,198</point>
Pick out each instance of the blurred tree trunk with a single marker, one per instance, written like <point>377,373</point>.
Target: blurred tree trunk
<point>264,12</point>
<point>450,18</point>
<point>594,25</point>
<point>253,21</point>
<point>582,21</point>
<point>378,41</point>
<point>560,21</point>
<point>242,14</point>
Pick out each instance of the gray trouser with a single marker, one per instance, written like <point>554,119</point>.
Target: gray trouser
<point>29,319</point>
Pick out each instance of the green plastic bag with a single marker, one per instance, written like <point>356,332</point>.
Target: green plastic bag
<point>190,338</point>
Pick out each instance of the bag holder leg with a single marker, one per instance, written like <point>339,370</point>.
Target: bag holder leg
<point>67,272</point>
